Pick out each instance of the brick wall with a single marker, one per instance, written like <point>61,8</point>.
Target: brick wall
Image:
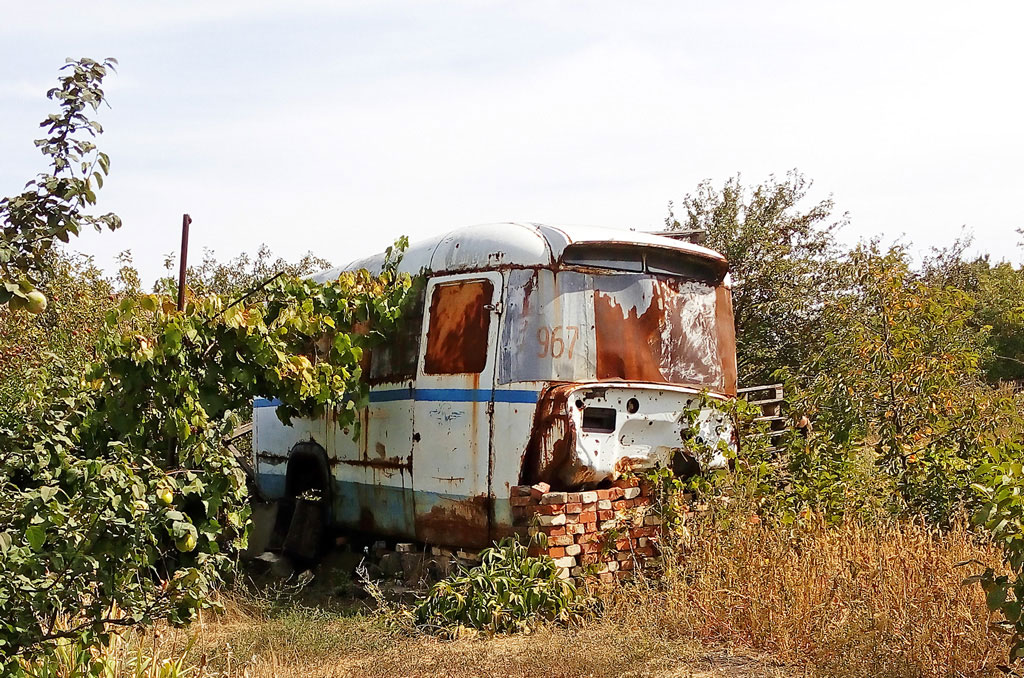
<point>604,534</point>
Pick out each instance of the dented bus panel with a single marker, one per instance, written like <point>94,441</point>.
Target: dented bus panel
<point>564,354</point>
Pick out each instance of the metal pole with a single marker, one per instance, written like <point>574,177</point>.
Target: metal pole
<point>185,221</point>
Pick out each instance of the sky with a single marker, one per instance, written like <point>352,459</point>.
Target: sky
<point>338,126</point>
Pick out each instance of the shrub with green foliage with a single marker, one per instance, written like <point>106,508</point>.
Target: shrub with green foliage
<point>510,591</point>
<point>120,505</point>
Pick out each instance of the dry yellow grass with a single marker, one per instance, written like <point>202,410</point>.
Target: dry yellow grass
<point>882,600</point>
<point>885,599</point>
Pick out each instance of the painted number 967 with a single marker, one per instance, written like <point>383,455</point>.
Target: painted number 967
<point>555,341</point>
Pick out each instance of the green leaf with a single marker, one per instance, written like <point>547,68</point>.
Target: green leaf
<point>995,597</point>
<point>36,537</point>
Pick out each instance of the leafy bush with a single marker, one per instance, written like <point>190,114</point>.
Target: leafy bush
<point>122,498</point>
<point>510,591</point>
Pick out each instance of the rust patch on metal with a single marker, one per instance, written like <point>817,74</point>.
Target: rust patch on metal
<point>458,327</point>
<point>553,438</point>
<point>628,342</point>
<point>661,334</point>
<point>726,324</point>
<point>626,464</point>
<point>387,464</point>
<point>453,522</point>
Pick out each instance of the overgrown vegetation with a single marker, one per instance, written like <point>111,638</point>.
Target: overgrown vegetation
<point>509,591</point>
<point>896,378</point>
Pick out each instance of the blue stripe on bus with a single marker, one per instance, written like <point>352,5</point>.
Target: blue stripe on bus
<point>474,395</point>
<point>451,395</point>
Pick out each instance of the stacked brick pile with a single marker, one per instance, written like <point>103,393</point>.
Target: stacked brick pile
<point>607,534</point>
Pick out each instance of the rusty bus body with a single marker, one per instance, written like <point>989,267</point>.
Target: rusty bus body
<point>534,353</point>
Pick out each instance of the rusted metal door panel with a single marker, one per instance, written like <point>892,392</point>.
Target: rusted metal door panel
<point>453,402</point>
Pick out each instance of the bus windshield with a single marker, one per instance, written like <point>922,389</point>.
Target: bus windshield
<point>582,326</point>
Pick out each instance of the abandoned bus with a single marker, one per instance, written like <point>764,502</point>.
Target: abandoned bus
<point>533,353</point>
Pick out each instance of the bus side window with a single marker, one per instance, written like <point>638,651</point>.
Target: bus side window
<point>396,360</point>
<point>459,324</point>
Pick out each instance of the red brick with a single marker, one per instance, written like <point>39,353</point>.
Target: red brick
<point>574,508</point>
<point>587,558</point>
<point>520,501</point>
<point>539,490</point>
<point>557,551</point>
<point>615,493</point>
<point>607,577</point>
<point>625,565</point>
<point>624,544</point>
<point>648,531</point>
<point>562,540</point>
<point>627,482</point>
<point>622,504</point>
<point>603,494</point>
<point>574,529</point>
<point>572,497</point>
<point>588,517</point>
<point>519,491</point>
<point>588,537</point>
<point>554,530</point>
<point>642,501</point>
<point>607,514</point>
<point>547,509</point>
<point>647,551</point>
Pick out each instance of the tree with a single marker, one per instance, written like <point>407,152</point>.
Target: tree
<point>997,291</point>
<point>52,207</point>
<point>782,258</point>
<point>900,372</point>
<point>243,272</point>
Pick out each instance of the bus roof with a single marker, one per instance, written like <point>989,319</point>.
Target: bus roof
<point>511,245</point>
